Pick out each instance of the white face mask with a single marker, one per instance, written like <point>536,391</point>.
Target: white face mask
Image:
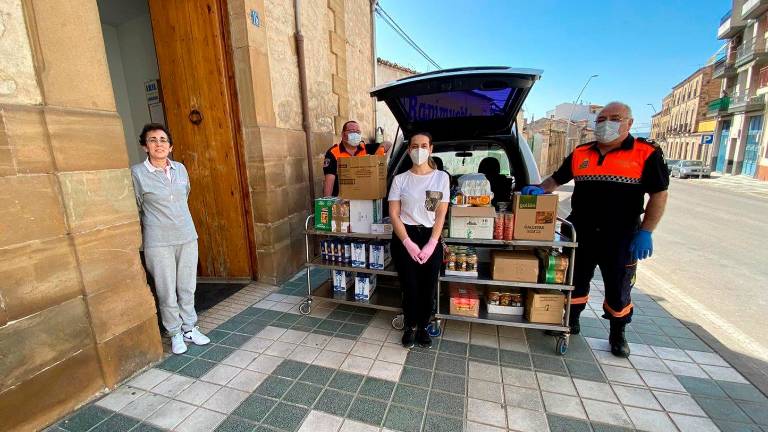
<point>607,131</point>
<point>354,138</point>
<point>419,156</point>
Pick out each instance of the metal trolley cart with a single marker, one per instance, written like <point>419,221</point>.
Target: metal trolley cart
<point>484,278</point>
<point>387,295</point>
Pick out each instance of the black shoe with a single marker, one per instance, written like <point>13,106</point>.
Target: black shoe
<point>619,346</point>
<point>409,337</point>
<point>423,338</point>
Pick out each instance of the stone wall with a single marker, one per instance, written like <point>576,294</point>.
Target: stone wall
<point>76,314</point>
<point>267,78</point>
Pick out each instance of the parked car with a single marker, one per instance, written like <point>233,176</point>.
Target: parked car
<point>671,163</point>
<point>470,113</point>
<point>690,168</point>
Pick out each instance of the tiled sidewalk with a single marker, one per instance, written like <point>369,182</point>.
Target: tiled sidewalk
<point>342,369</point>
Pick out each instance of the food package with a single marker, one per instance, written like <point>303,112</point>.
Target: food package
<point>359,254</point>
<point>378,255</point>
<point>340,216</point>
<point>464,300</point>
<point>515,266</point>
<point>554,267</point>
<point>324,213</point>
<point>341,280</point>
<point>506,301</point>
<point>546,307</point>
<point>535,216</point>
<point>475,190</point>
<point>365,285</point>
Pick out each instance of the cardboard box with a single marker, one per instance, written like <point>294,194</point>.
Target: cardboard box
<point>506,310</point>
<point>324,213</point>
<point>464,300</point>
<point>515,266</point>
<point>362,178</point>
<point>472,222</point>
<point>545,307</point>
<point>363,214</point>
<point>340,216</point>
<point>378,255</point>
<point>381,228</point>
<point>342,280</point>
<point>365,285</point>
<point>535,216</point>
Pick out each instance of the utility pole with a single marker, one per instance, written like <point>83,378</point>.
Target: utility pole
<point>573,108</point>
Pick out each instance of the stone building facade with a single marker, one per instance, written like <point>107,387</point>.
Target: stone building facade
<point>547,138</point>
<point>76,314</point>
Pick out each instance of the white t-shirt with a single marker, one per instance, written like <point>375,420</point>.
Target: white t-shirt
<point>419,196</point>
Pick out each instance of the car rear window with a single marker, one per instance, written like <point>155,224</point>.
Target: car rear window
<point>692,163</point>
<point>452,104</point>
<point>457,165</point>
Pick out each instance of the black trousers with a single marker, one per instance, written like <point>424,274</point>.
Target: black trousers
<point>608,249</point>
<point>418,282</point>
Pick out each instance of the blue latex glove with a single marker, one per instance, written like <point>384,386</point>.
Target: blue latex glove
<point>532,190</point>
<point>642,245</point>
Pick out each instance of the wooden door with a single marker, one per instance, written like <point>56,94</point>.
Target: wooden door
<point>201,112</point>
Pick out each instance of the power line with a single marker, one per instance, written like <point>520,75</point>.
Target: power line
<point>400,32</point>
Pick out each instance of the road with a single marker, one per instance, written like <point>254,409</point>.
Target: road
<point>710,264</point>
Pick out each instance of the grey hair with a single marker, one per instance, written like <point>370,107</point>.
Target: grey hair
<point>623,105</point>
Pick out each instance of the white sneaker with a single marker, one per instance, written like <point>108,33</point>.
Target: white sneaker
<point>196,337</point>
<point>177,344</point>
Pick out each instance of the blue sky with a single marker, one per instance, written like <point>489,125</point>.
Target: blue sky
<point>639,48</point>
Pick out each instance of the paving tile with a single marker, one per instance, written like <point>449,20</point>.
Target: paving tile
<point>252,328</point>
<point>225,400</point>
<point>605,412</point>
<point>706,358</point>
<point>555,383</point>
<point>693,424</point>
<point>240,358</point>
<point>292,336</point>
<point>564,405</point>
<point>594,390</point>
<point>316,341</point>
<point>144,406</point>
<point>255,407</point>
<point>115,423</point>
<point>661,381</point>
<point>453,347</point>
<point>488,412</point>
<point>744,392</point>
<point>724,374</point>
<point>290,369</point>
<point>303,394</point>
<point>318,421</point>
<point>173,385</point>
<point>437,423</point>
<point>549,364</point>
<point>411,396</point>
<point>607,358</point>
<point>446,404</point>
<point>594,332</point>
<point>175,362</point>
<point>448,383</point>
<point>286,417</point>
<point>197,368</point>
<point>386,371</point>
<point>171,414</point>
<point>352,329</point>
<point>265,364</point>
<point>403,419</point>
<point>271,333</point>
<point>393,354</point>
<point>304,354</point>
<point>149,379</point>
<point>757,412</point>
<point>85,418</point>
<point>330,359</point>
<point>485,372</point>
<point>519,377</point>
<point>257,345</point>
<point>146,427</point>
<point>678,403</point>
<point>356,364</point>
<point>247,380</point>
<point>346,381</point>
<point>585,370</point>
<point>330,325</point>
<point>526,420</point>
<point>370,411</point>
<point>622,375</point>
<point>353,426</point>
<point>120,397</point>
<point>658,340</point>
<point>692,344</point>
<point>365,349</point>
<point>318,375</point>
<point>221,374</point>
<point>702,387</point>
<point>686,369</point>
<point>377,388</point>
<point>274,387</point>
<point>638,397</point>
<point>523,398</point>
<point>674,354</point>
<point>235,340</point>
<point>648,363</point>
<point>235,424</point>
<point>603,345</point>
<point>651,421</point>
<point>486,353</point>
<point>601,427</point>
<point>280,349</point>
<point>217,353</point>
<point>484,390</point>
<point>451,364</point>
<point>334,402</point>
<point>477,427</point>
<point>198,392</point>
<point>514,358</point>
<point>421,360</point>
<point>639,349</point>
<point>565,424</point>
<point>719,409</point>
<point>513,344</point>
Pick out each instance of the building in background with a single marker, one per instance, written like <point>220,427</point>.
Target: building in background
<point>575,112</point>
<point>682,127</point>
<point>547,138</point>
<point>740,108</point>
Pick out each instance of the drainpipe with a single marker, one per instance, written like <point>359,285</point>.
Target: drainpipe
<point>375,62</point>
<point>305,123</point>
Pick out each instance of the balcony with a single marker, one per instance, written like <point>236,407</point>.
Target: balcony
<point>730,26</point>
<point>718,107</point>
<point>723,69</point>
<point>752,9</point>
<point>751,50</point>
<point>745,103</point>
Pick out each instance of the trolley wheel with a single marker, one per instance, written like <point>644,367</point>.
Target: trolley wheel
<point>562,345</point>
<point>434,328</point>
<point>306,307</point>
<point>398,322</point>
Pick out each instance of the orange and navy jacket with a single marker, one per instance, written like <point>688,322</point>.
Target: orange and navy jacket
<point>610,188</point>
<point>330,164</point>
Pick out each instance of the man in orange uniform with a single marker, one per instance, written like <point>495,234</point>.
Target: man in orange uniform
<point>351,145</point>
<point>612,176</point>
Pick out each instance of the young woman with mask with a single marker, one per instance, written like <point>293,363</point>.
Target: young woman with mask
<point>418,203</point>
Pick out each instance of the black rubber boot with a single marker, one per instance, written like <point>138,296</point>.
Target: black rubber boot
<point>423,338</point>
<point>409,337</point>
<point>573,322</point>
<point>619,346</point>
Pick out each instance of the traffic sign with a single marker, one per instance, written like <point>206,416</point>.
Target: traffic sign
<point>707,139</point>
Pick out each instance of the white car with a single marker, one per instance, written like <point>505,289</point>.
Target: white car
<point>690,168</point>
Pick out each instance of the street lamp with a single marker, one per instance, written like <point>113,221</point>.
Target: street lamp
<point>653,107</point>
<point>573,108</point>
